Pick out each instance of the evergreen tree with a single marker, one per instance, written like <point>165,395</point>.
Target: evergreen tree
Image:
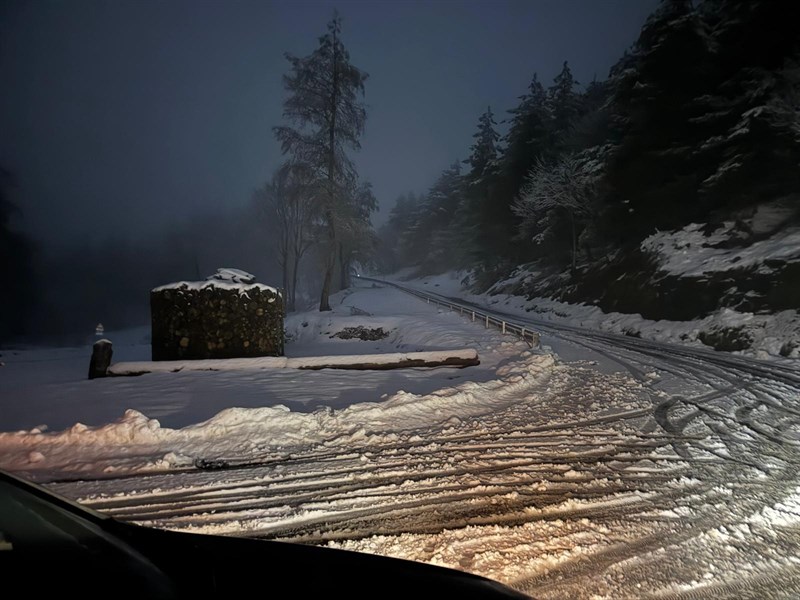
<point>327,113</point>
<point>752,109</point>
<point>594,97</point>
<point>652,176</point>
<point>429,240</point>
<point>527,138</point>
<point>527,141</point>
<point>592,126</point>
<point>476,214</point>
<point>484,149</point>
<point>393,252</point>
<point>440,227</point>
<point>564,104</point>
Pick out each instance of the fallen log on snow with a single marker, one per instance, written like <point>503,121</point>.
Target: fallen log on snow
<point>397,360</point>
<point>455,358</point>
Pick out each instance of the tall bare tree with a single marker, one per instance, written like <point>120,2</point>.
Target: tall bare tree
<point>290,202</point>
<point>327,115</point>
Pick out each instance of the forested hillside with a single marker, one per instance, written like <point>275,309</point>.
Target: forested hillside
<point>696,131</point>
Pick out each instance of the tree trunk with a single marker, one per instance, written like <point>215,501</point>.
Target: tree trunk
<point>288,291</point>
<point>574,242</point>
<point>292,300</point>
<point>324,301</point>
<point>330,263</point>
<point>344,279</point>
<point>285,280</point>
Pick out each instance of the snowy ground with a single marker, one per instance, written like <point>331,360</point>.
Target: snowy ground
<point>641,470</point>
<point>47,387</point>
<point>770,333</point>
<point>66,423</point>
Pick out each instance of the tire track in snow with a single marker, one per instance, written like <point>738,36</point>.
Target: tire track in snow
<point>738,386</point>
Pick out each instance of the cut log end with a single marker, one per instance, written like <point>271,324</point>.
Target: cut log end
<point>102,352</point>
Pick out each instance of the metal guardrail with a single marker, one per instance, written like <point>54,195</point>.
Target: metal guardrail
<point>526,334</point>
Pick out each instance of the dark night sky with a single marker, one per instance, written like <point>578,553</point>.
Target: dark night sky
<point>117,116</point>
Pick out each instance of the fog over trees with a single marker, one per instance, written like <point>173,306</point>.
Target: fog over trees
<point>696,122</point>
<point>16,265</point>
<point>305,228</point>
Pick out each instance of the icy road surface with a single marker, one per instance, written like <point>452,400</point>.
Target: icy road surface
<point>642,470</point>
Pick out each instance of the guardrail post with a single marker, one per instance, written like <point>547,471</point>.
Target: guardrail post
<point>487,321</point>
<point>522,334</point>
<point>504,326</point>
<point>473,316</point>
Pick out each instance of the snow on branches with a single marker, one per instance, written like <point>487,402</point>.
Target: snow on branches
<point>564,188</point>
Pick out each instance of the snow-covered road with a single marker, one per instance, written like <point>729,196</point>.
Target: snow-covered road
<point>734,423</point>
<point>637,469</point>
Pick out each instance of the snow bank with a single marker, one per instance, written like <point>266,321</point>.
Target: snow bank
<point>137,443</point>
